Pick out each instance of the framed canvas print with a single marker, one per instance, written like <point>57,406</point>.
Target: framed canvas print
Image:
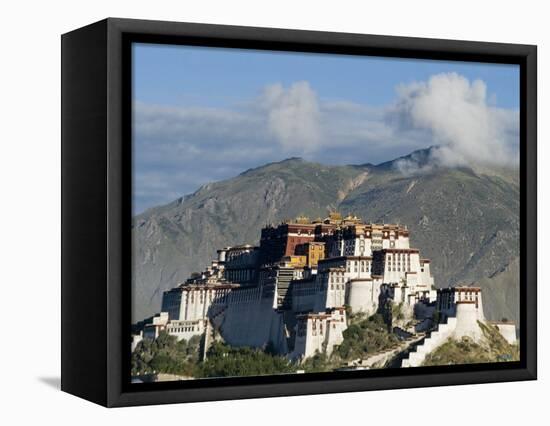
<point>253,212</point>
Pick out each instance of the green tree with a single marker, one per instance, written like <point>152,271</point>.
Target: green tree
<point>366,337</point>
<point>166,355</point>
<point>226,361</point>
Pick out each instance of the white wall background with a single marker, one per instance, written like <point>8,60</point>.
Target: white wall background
<point>30,199</point>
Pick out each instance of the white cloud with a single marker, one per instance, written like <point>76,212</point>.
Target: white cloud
<point>293,116</point>
<point>464,125</point>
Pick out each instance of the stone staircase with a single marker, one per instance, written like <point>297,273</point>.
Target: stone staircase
<point>436,338</point>
<point>384,356</point>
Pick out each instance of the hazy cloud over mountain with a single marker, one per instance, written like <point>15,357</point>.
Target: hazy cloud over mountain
<point>177,149</point>
<point>460,120</point>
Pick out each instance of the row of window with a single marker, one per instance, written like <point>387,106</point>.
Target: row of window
<point>399,269</point>
<point>399,262</point>
<point>449,300</point>
<point>181,329</point>
<point>365,266</point>
<point>337,278</point>
<point>302,328</point>
<point>238,275</point>
<point>210,294</point>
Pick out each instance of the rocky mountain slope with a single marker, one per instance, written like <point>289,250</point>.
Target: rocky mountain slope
<point>465,220</point>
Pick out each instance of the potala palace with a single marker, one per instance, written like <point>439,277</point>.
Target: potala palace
<point>296,290</point>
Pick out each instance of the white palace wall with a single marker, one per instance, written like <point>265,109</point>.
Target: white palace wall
<point>335,295</point>
<point>399,263</point>
<point>307,295</point>
<point>251,320</point>
<point>195,302</point>
<point>425,275</point>
<point>467,316</point>
<point>363,295</point>
<point>319,333</point>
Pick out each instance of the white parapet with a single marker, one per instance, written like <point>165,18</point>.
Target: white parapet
<point>186,329</point>
<point>251,320</point>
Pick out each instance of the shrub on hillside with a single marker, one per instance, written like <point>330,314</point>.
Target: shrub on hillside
<point>366,337</point>
<point>226,361</point>
<point>166,355</point>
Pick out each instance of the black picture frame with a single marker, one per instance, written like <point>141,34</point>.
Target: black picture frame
<point>96,211</point>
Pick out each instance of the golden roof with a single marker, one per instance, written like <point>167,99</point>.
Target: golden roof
<point>303,220</point>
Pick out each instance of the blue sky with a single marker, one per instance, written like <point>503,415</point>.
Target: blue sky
<point>205,114</point>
